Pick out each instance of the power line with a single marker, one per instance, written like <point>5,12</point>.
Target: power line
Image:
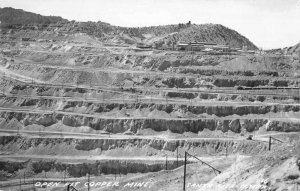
<point>186,154</point>
<point>270,141</point>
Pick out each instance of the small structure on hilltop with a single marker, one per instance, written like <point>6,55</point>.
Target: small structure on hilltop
<point>184,25</point>
<point>143,45</point>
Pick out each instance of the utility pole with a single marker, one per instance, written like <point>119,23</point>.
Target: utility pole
<point>166,162</point>
<point>226,149</point>
<point>177,155</point>
<point>184,172</point>
<point>185,161</point>
<point>65,175</point>
<point>270,141</point>
<point>88,182</point>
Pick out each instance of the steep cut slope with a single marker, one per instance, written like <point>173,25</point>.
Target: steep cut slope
<point>10,16</point>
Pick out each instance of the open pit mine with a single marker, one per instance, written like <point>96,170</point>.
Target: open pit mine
<point>91,106</point>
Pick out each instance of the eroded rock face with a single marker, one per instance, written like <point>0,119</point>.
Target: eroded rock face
<point>133,125</point>
<point>81,169</point>
<point>137,146</point>
<point>73,121</point>
<point>235,126</point>
<point>283,126</point>
<point>251,125</point>
<point>87,107</point>
<point>46,120</point>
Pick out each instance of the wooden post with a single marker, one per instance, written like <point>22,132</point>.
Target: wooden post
<point>177,155</point>
<point>65,176</point>
<point>166,162</point>
<point>88,180</point>
<point>270,139</point>
<point>184,171</point>
<point>226,149</point>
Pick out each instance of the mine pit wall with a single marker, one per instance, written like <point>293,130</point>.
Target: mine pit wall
<point>129,147</point>
<point>220,110</point>
<point>17,88</point>
<point>183,82</point>
<point>96,168</point>
<point>178,62</point>
<point>79,169</point>
<point>213,72</point>
<point>15,120</point>
<point>32,90</point>
<point>293,96</point>
<point>58,76</point>
<point>95,108</point>
<point>254,83</point>
<point>177,126</point>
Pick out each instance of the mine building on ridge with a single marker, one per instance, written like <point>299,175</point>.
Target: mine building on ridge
<point>143,45</point>
<point>201,46</point>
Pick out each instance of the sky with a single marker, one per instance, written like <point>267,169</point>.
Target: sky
<point>267,23</point>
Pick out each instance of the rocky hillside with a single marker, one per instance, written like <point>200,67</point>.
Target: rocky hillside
<point>291,50</point>
<point>204,33</point>
<point>113,34</point>
<point>13,16</point>
<point>294,49</point>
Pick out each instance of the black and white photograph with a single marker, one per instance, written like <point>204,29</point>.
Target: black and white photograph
<point>149,95</point>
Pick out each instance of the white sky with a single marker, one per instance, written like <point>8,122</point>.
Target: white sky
<point>267,23</point>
